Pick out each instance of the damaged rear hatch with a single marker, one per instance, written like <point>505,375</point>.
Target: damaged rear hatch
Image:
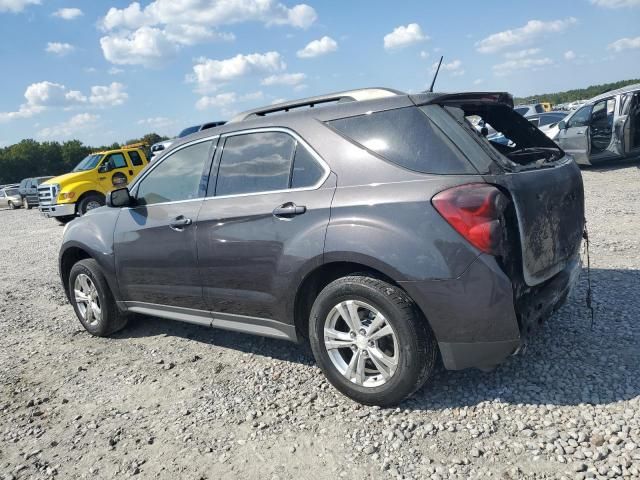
<point>544,184</point>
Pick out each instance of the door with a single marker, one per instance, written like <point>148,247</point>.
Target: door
<point>601,127</point>
<point>265,225</point>
<point>3,199</point>
<point>155,241</point>
<point>574,139</point>
<point>114,172</point>
<point>627,128</point>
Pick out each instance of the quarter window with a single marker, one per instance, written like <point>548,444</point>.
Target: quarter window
<point>135,157</point>
<point>255,162</point>
<point>177,177</point>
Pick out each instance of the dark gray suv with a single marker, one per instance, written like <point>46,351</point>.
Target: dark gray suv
<point>380,227</point>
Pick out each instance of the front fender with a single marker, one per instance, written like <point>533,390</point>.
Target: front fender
<point>79,188</point>
<point>93,234</point>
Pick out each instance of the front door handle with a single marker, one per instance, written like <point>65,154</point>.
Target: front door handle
<point>179,223</point>
<point>289,210</point>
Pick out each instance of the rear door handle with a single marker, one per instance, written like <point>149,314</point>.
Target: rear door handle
<point>131,172</point>
<point>179,223</point>
<point>289,210</point>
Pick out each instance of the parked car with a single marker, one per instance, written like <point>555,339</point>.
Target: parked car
<point>378,226</point>
<point>28,190</point>
<point>85,187</point>
<point>548,122</point>
<point>607,127</point>
<point>527,110</point>
<point>158,148</point>
<point>10,197</point>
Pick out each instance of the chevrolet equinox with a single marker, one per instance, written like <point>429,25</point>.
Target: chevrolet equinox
<point>381,228</point>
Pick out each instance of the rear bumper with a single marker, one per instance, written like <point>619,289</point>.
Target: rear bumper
<point>63,210</point>
<point>475,318</point>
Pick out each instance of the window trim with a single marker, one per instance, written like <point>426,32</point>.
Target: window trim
<point>296,137</point>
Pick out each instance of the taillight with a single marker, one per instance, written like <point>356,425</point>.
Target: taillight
<point>475,212</point>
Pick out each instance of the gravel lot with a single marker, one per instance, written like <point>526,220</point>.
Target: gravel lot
<point>170,400</point>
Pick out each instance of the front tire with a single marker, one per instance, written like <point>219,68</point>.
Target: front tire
<point>371,341</point>
<point>64,220</point>
<point>12,206</point>
<point>93,301</point>
<point>90,202</point>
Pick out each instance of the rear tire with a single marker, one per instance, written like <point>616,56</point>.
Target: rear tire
<point>12,206</point>
<point>90,202</point>
<point>391,355</point>
<point>93,301</point>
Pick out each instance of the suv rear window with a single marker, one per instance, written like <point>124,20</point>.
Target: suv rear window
<point>406,137</point>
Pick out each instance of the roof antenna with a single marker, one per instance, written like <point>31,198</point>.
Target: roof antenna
<point>435,75</point>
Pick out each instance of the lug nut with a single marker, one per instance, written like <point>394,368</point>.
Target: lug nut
<point>363,331</point>
<point>352,334</point>
<point>372,343</point>
<point>354,348</point>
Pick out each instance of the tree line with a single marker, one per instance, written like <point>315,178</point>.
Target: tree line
<point>30,158</point>
<point>575,94</point>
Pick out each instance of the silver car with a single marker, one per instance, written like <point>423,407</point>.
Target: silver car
<point>10,197</point>
<point>606,127</point>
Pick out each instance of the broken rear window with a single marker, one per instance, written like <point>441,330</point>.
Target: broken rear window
<point>505,131</point>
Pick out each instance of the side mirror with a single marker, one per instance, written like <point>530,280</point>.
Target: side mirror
<point>562,125</point>
<point>104,168</point>
<point>119,198</point>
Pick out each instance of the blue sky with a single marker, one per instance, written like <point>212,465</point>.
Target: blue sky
<point>109,71</point>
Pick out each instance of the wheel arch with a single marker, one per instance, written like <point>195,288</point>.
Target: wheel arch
<point>88,193</point>
<point>68,258</point>
<point>324,274</point>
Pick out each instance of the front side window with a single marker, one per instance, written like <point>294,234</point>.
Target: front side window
<point>177,177</point>
<point>580,118</point>
<point>255,162</point>
<point>116,160</point>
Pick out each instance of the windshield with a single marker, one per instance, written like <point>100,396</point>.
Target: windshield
<point>11,192</point>
<point>521,110</point>
<point>189,131</point>
<point>88,163</point>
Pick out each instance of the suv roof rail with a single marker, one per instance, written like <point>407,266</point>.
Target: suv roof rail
<point>310,102</point>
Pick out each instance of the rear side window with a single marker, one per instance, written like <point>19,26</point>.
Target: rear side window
<point>255,162</point>
<point>306,170</point>
<point>406,137</point>
<point>135,157</point>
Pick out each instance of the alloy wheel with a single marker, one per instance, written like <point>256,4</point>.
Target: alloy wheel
<point>87,299</point>
<point>361,343</point>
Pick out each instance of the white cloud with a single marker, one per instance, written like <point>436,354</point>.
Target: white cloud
<point>454,67</point>
<point>108,96</point>
<point>284,79</point>
<point>41,96</point>
<point>404,36</point>
<point>531,31</point>
<point>522,53</point>
<point>156,123</point>
<point>115,71</point>
<point>146,36</point>
<point>76,124</point>
<point>15,6</point>
<point>146,46</point>
<point>569,55</point>
<point>60,49</point>
<point>209,74</point>
<point>68,13</point>
<point>478,81</point>
<point>318,47</point>
<point>616,3</point>
<point>625,44</point>
<point>522,64</point>
<point>226,99</point>
<point>424,54</point>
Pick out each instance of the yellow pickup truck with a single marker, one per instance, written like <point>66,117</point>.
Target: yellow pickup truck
<point>85,187</point>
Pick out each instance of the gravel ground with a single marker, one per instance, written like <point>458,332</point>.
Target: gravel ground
<point>169,400</point>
